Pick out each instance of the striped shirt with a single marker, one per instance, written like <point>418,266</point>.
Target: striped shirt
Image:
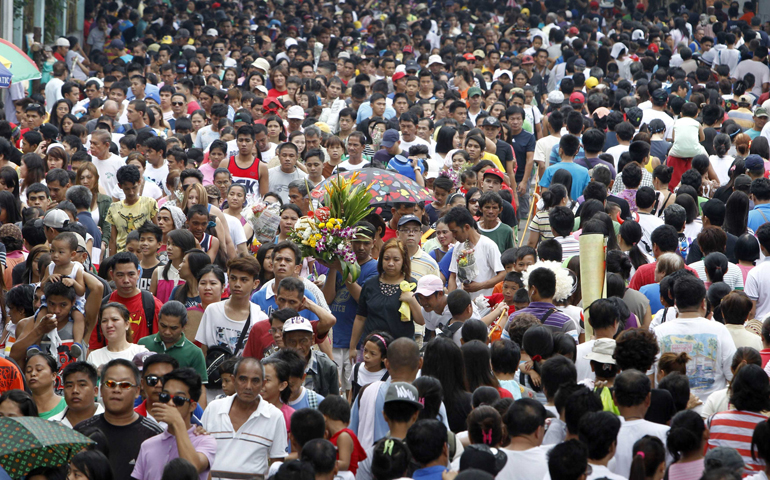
<point>733,276</point>
<point>423,264</point>
<point>556,321</point>
<point>619,186</point>
<point>734,429</point>
<point>570,246</point>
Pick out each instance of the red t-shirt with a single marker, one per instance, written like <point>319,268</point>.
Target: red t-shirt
<point>389,233</point>
<point>192,106</point>
<point>138,323</point>
<point>260,342</point>
<point>645,275</point>
<point>10,376</point>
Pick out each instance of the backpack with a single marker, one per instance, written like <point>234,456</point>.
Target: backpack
<point>449,332</point>
<point>148,305</point>
<point>216,355</point>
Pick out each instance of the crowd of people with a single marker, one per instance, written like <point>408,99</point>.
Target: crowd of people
<point>145,308</point>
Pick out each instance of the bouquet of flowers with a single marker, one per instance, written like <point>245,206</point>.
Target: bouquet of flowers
<point>325,233</point>
<point>466,264</point>
<point>264,220</point>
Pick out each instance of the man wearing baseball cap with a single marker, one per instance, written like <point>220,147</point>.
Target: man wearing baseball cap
<point>760,119</point>
<point>321,375</point>
<point>491,128</point>
<point>493,181</point>
<point>410,233</point>
<point>392,155</point>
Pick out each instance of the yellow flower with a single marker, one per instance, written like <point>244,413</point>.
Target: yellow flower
<point>321,225</point>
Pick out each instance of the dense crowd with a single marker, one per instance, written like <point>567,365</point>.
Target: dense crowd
<point>157,300</point>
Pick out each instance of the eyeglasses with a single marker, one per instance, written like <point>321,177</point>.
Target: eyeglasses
<point>473,200</point>
<point>152,380</point>
<point>276,331</point>
<point>185,187</point>
<point>410,231</point>
<point>178,399</point>
<point>119,385</point>
<point>177,104</point>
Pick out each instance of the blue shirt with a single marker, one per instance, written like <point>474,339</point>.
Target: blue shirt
<point>403,165</point>
<point>266,301</point>
<point>580,177</point>
<point>365,111</point>
<point>87,221</point>
<point>430,473</point>
<point>759,215</point>
<point>148,89</point>
<point>443,265</point>
<point>344,307</point>
<point>652,292</point>
<point>555,158</point>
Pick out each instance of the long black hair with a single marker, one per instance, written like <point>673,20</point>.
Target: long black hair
<point>183,239</point>
<point>197,259</point>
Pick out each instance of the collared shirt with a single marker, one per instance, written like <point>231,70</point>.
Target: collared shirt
<point>62,416</point>
<point>184,351</point>
<point>423,264</point>
<point>157,451</point>
<point>557,321</point>
<point>619,186</point>
<point>430,473</point>
<point>261,437</point>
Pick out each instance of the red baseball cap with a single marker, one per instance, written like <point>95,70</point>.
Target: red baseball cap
<point>594,4</point>
<point>398,76</point>
<point>573,31</point>
<point>408,49</point>
<point>496,172</point>
<point>576,97</point>
<point>527,60</point>
<point>469,57</point>
<point>653,48</point>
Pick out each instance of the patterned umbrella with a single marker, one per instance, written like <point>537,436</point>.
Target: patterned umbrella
<point>22,67</point>
<point>386,186</point>
<point>27,443</point>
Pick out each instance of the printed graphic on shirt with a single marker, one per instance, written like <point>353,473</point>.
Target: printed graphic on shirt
<point>702,347</point>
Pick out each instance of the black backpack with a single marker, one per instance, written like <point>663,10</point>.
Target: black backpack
<point>216,355</point>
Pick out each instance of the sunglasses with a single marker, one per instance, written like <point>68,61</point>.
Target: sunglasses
<point>152,380</point>
<point>120,385</point>
<point>177,104</point>
<point>178,400</point>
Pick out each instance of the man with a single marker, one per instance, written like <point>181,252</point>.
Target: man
<point>209,133</point>
<point>80,391</point>
<point>320,371</point>
<point>298,195</point>
<point>342,296</point>
<point>760,120</point>
<point>130,213</point>
<point>228,323</point>
<point>665,239</point>
<point>107,164</point>
<point>760,194</point>
<point>281,176</point>
<point>154,367</point>
<point>181,391</point>
<point>156,168</point>
<point>491,127</point>
<point>603,318</point>
<point>525,421</point>
<point>124,429</point>
<point>142,305</point>
<point>757,280</point>
<point>245,167</point>
<point>524,150</point>
<point>135,114</point>
<point>756,66</point>
<point>632,399</point>
<point>53,87</point>
<point>489,270</point>
<point>172,341</point>
<point>408,125</point>
<point>409,233</point>
<point>542,287</point>
<point>599,431</point>
<point>58,181</point>
<point>250,432</point>
<point>81,197</point>
<point>427,440</point>
<point>356,159</point>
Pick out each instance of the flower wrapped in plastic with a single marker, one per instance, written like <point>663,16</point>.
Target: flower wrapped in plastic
<point>466,263</point>
<point>326,232</point>
<point>264,219</point>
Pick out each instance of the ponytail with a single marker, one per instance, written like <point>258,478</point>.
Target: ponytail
<point>716,266</point>
<point>722,144</point>
<point>554,195</point>
<point>649,453</point>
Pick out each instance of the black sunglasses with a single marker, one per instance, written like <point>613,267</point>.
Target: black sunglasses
<point>177,104</point>
<point>178,400</point>
<point>152,380</point>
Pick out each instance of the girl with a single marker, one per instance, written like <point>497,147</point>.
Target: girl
<point>661,177</point>
<point>60,109</point>
<point>736,223</point>
<point>32,170</point>
<point>66,124</point>
<point>686,442</point>
<point>298,139</point>
<point>199,120</point>
<point>478,369</point>
<point>17,403</point>
<point>57,157</point>
<point>178,243</point>
<point>540,227</point>
<point>290,213</point>
<point>485,427</point>
<point>217,153</point>
<point>236,197</point>
<point>115,325</point>
<point>672,362</point>
<point>737,168</point>
<point>444,360</point>
<point>760,449</point>
<point>375,353</point>
<point>715,265</point>
<point>9,181</point>
<point>264,257</point>
<point>41,372</point>
<point>460,158</point>
<point>90,465</point>
<point>188,292</point>
<point>719,400</point>
<point>275,132</point>
<point>536,348</point>
<point>649,459</point>
<point>211,284</point>
<point>169,218</point>
<point>447,140</point>
<point>472,201</point>
<point>629,237</point>
<point>336,149</point>
<point>747,253</point>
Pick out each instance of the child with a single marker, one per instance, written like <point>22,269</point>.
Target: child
<point>508,259</point>
<point>62,268</point>
<point>521,299</point>
<point>506,355</point>
<point>375,353</point>
<point>442,188</point>
<point>468,180</point>
<point>217,153</point>
<point>525,256</point>
<point>335,147</point>
<point>336,412</point>
<point>132,244</point>
<point>314,166</point>
<point>197,223</point>
<point>150,236</point>
<point>461,307</point>
<point>687,134</point>
<point>226,372</point>
<point>156,169</point>
<point>508,288</point>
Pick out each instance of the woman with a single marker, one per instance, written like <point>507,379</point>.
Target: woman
<point>9,181</point>
<point>664,197</point>
<point>290,213</point>
<point>90,465</point>
<point>188,293</point>
<point>88,176</point>
<point>60,109</point>
<point>374,132</point>
<point>115,325</point>
<point>750,395</point>
<point>169,218</point>
<point>445,241</point>
<point>253,81</point>
<point>17,403</point>
<point>41,372</point>
<point>32,170</point>
<point>686,442</point>
<point>31,264</point>
<point>211,284</point>
<point>382,296</point>
<point>443,360</point>
<point>742,143</point>
<point>738,206</point>
<point>736,169</point>
<point>57,157</point>
<point>472,202</point>
<point>719,400</point>
<point>148,189</point>
<point>278,76</point>
<point>629,236</point>
<point>275,387</point>
<point>154,118</point>
<point>478,370</point>
<point>236,198</point>
<point>199,120</point>
<point>265,259</point>
<point>447,140</point>
<point>275,130</point>
<point>178,243</point>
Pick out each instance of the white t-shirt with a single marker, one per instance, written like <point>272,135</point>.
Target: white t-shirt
<point>600,471</point>
<point>711,349</point>
<point>108,170</point>
<point>52,93</point>
<point>151,190</point>
<point>157,175</point>
<point>543,149</point>
<point>525,464</point>
<point>759,290</point>
<point>487,259</point>
<point>236,230</point>
<point>630,432</point>
<point>616,152</point>
<point>216,328</point>
<point>722,167</point>
<point>347,166</point>
<point>717,402</point>
<point>582,364</point>
<point>279,181</point>
<point>648,222</point>
<point>101,356</point>
<point>650,115</point>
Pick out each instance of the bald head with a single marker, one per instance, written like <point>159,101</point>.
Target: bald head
<point>110,108</point>
<point>403,355</point>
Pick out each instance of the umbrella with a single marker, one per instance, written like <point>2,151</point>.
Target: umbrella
<point>5,75</point>
<point>27,443</point>
<point>386,186</point>
<point>22,67</point>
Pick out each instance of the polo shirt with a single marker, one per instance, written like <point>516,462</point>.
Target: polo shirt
<point>423,264</point>
<point>645,275</point>
<point>759,215</point>
<point>261,437</point>
<point>184,351</point>
<point>157,451</point>
<point>522,143</point>
<point>557,321</point>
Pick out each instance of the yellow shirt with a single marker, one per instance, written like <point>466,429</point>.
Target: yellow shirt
<point>127,218</point>
<point>494,159</point>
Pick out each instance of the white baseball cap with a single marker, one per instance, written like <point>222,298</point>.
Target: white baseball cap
<point>435,59</point>
<point>297,324</point>
<point>62,42</point>
<point>212,32</point>
<point>295,112</point>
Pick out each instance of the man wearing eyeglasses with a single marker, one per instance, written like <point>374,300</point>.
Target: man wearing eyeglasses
<point>178,400</point>
<point>124,429</point>
<point>320,372</point>
<point>155,366</point>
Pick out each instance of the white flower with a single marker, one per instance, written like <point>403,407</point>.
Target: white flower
<point>563,280</point>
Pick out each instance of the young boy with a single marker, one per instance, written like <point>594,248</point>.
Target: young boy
<point>525,256</point>
<point>281,176</point>
<point>301,397</point>
<point>226,372</point>
<point>468,180</point>
<point>315,166</point>
<point>126,216</point>
<point>461,308</point>
<point>132,244</point>
<point>521,299</point>
<point>156,170</point>
<point>150,236</point>
<point>63,268</point>
<point>490,225</point>
<point>246,168</point>
<point>442,188</point>
<point>508,259</point>
<point>562,220</point>
<point>197,223</point>
<point>569,145</point>
<point>505,356</point>
<point>336,412</point>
